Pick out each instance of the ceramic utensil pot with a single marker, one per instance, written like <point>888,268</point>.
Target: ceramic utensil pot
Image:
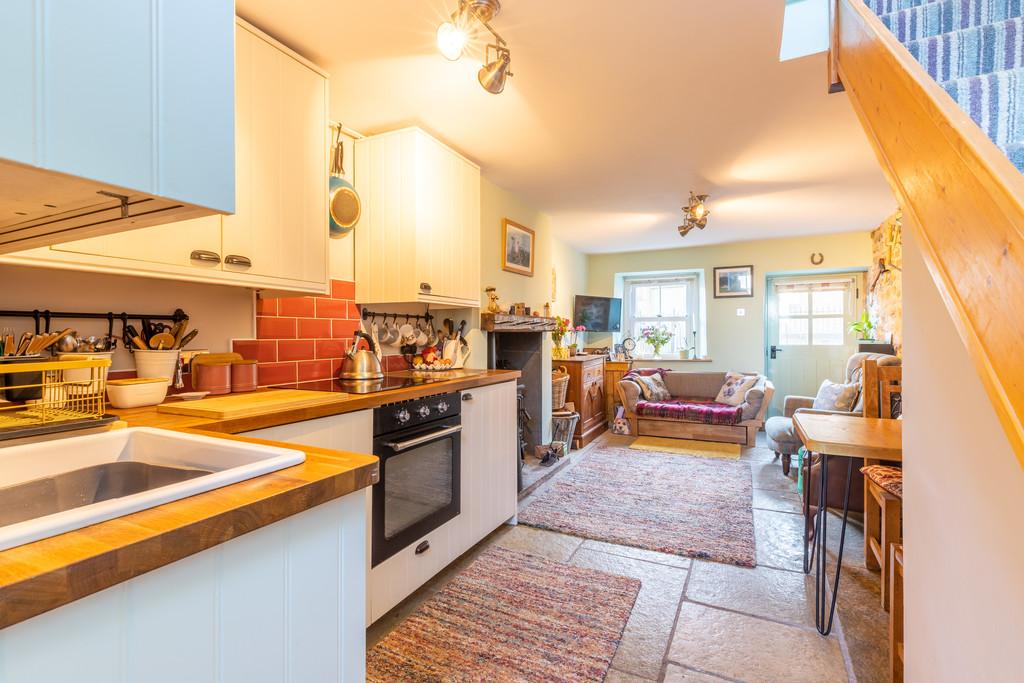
<point>156,363</point>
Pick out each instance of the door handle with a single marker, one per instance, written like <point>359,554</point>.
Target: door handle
<point>467,397</point>
<point>423,547</point>
<point>236,260</point>
<point>425,287</point>
<point>205,256</point>
<point>399,446</point>
<point>774,350</point>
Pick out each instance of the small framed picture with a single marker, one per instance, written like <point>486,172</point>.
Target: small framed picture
<point>734,282</point>
<point>516,248</point>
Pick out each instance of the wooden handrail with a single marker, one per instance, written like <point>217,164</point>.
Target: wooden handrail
<point>960,195</point>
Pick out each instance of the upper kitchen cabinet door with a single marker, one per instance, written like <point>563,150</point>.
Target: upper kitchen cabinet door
<point>131,93</point>
<point>278,234</point>
<point>417,240</point>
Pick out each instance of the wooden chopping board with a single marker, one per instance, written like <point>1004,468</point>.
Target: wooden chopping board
<point>234,406</point>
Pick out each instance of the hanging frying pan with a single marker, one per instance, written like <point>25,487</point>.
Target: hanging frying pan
<point>344,207</point>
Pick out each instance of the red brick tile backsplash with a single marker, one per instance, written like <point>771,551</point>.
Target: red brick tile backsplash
<point>302,338</point>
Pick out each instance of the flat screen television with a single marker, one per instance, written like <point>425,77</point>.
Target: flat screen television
<point>598,313</point>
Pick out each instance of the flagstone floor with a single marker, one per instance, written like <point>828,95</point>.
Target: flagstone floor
<point>703,621</point>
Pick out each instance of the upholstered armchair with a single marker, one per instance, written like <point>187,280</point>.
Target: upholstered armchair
<point>782,436</point>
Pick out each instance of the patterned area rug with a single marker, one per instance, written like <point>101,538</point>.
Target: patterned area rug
<point>657,501</point>
<point>510,617</point>
<point>701,449</point>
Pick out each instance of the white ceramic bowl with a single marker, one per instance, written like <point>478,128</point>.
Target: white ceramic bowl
<point>135,393</point>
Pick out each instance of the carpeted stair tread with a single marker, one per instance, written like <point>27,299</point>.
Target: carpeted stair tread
<point>888,6</point>
<point>944,16</point>
<point>973,51</point>
<point>1015,153</point>
<point>995,101</point>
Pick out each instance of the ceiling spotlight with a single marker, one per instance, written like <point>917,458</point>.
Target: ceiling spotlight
<point>695,214</point>
<point>454,36</point>
<point>492,75</point>
<point>451,40</point>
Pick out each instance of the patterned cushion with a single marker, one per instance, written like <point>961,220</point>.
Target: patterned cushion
<point>734,391</point>
<point>888,477</point>
<point>832,396</point>
<point>690,410</point>
<point>653,387</point>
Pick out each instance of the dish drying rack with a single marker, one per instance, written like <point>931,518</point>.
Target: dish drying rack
<point>42,397</point>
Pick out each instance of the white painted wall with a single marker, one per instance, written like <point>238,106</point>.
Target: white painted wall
<point>220,313</point>
<point>964,500</point>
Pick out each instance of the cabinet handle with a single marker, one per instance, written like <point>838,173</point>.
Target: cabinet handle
<point>205,256</point>
<point>236,260</point>
<point>423,547</point>
<point>467,397</point>
<point>425,287</point>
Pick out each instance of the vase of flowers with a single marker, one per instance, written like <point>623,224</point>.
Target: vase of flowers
<point>657,336</point>
<point>574,333</point>
<point>562,327</point>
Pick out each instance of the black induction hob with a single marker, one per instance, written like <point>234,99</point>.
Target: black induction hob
<point>391,381</point>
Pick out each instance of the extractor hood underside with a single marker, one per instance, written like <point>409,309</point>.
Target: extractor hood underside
<point>39,208</point>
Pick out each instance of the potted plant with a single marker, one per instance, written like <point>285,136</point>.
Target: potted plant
<point>864,328</point>
<point>657,336</point>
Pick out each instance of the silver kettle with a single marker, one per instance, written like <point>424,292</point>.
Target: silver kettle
<point>361,363</point>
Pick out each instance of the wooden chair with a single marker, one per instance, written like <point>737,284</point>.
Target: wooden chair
<point>883,490</point>
<point>896,614</point>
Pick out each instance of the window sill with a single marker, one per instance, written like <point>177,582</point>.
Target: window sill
<point>670,359</point>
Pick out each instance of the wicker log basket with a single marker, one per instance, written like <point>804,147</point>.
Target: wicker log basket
<point>559,387</point>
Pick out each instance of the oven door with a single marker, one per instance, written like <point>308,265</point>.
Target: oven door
<point>419,485</point>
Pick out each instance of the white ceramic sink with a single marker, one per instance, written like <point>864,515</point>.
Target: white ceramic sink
<point>57,486</point>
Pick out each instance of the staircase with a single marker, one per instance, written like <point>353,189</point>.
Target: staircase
<point>975,50</point>
<point>938,86</point>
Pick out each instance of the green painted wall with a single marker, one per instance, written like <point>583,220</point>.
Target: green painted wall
<point>734,342</point>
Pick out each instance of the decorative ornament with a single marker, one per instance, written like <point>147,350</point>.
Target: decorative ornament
<point>817,258</point>
<point>492,301</point>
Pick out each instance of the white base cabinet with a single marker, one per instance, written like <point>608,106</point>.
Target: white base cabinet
<point>277,237</point>
<point>282,603</point>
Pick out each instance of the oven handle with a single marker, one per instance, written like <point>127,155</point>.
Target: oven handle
<point>399,446</point>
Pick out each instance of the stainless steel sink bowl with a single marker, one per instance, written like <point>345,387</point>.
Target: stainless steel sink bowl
<point>57,486</point>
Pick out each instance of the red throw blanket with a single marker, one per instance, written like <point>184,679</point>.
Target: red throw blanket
<point>690,410</point>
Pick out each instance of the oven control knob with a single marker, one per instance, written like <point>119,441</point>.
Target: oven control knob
<point>402,415</point>
<point>423,411</point>
<point>442,407</point>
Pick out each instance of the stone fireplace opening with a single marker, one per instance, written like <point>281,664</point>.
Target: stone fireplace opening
<point>522,351</point>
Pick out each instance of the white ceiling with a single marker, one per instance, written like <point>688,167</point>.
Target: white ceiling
<point>615,112</point>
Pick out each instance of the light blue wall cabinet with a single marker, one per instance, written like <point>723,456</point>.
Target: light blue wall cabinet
<point>131,97</point>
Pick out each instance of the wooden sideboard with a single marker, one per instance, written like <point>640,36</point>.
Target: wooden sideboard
<point>587,392</point>
<point>613,372</point>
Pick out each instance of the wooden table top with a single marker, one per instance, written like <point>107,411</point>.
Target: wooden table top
<point>40,576</point>
<point>859,437</point>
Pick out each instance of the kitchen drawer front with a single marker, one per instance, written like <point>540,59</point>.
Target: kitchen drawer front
<point>400,575</point>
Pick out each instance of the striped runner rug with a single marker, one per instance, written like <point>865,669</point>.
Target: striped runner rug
<point>510,617</point>
<point>696,507</point>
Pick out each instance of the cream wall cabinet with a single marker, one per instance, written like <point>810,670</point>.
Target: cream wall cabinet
<point>277,237</point>
<point>419,236</point>
<point>131,97</point>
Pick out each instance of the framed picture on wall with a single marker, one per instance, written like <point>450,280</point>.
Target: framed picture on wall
<point>734,282</point>
<point>517,248</point>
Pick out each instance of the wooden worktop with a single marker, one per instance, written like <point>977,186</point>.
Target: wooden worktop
<point>41,576</point>
<point>858,437</point>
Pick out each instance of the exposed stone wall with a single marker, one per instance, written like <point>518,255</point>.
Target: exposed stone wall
<point>885,283</point>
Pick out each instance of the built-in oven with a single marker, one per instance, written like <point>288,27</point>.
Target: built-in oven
<point>419,445</point>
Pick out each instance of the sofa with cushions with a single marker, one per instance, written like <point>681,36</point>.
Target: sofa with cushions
<point>706,406</point>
